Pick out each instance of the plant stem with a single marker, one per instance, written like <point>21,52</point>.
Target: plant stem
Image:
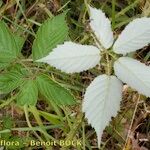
<point>28,121</point>
<point>108,72</point>
<point>37,128</point>
<point>38,119</point>
<point>27,60</point>
<point>75,127</point>
<point>20,62</point>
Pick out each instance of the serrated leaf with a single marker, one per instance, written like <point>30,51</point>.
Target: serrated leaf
<point>52,91</point>
<point>101,26</point>
<point>11,80</point>
<point>28,93</point>
<point>134,73</point>
<point>7,42</point>
<point>71,57</point>
<point>101,102</point>
<point>135,36</point>
<point>8,48</point>
<point>50,34</point>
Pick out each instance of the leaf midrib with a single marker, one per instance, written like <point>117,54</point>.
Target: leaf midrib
<point>73,57</point>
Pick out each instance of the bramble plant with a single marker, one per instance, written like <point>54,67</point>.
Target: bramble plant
<point>26,80</point>
<point>102,97</point>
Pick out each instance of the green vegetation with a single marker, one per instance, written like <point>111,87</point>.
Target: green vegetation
<point>39,103</point>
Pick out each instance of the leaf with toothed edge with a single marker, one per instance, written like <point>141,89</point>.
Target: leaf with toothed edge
<point>28,94</point>
<point>8,47</point>
<point>101,26</point>
<point>135,36</point>
<point>13,79</point>
<point>53,91</point>
<point>101,94</point>
<point>51,33</point>
<point>71,57</point>
<point>134,73</point>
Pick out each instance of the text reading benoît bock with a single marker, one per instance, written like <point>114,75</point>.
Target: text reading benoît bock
<point>62,143</point>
